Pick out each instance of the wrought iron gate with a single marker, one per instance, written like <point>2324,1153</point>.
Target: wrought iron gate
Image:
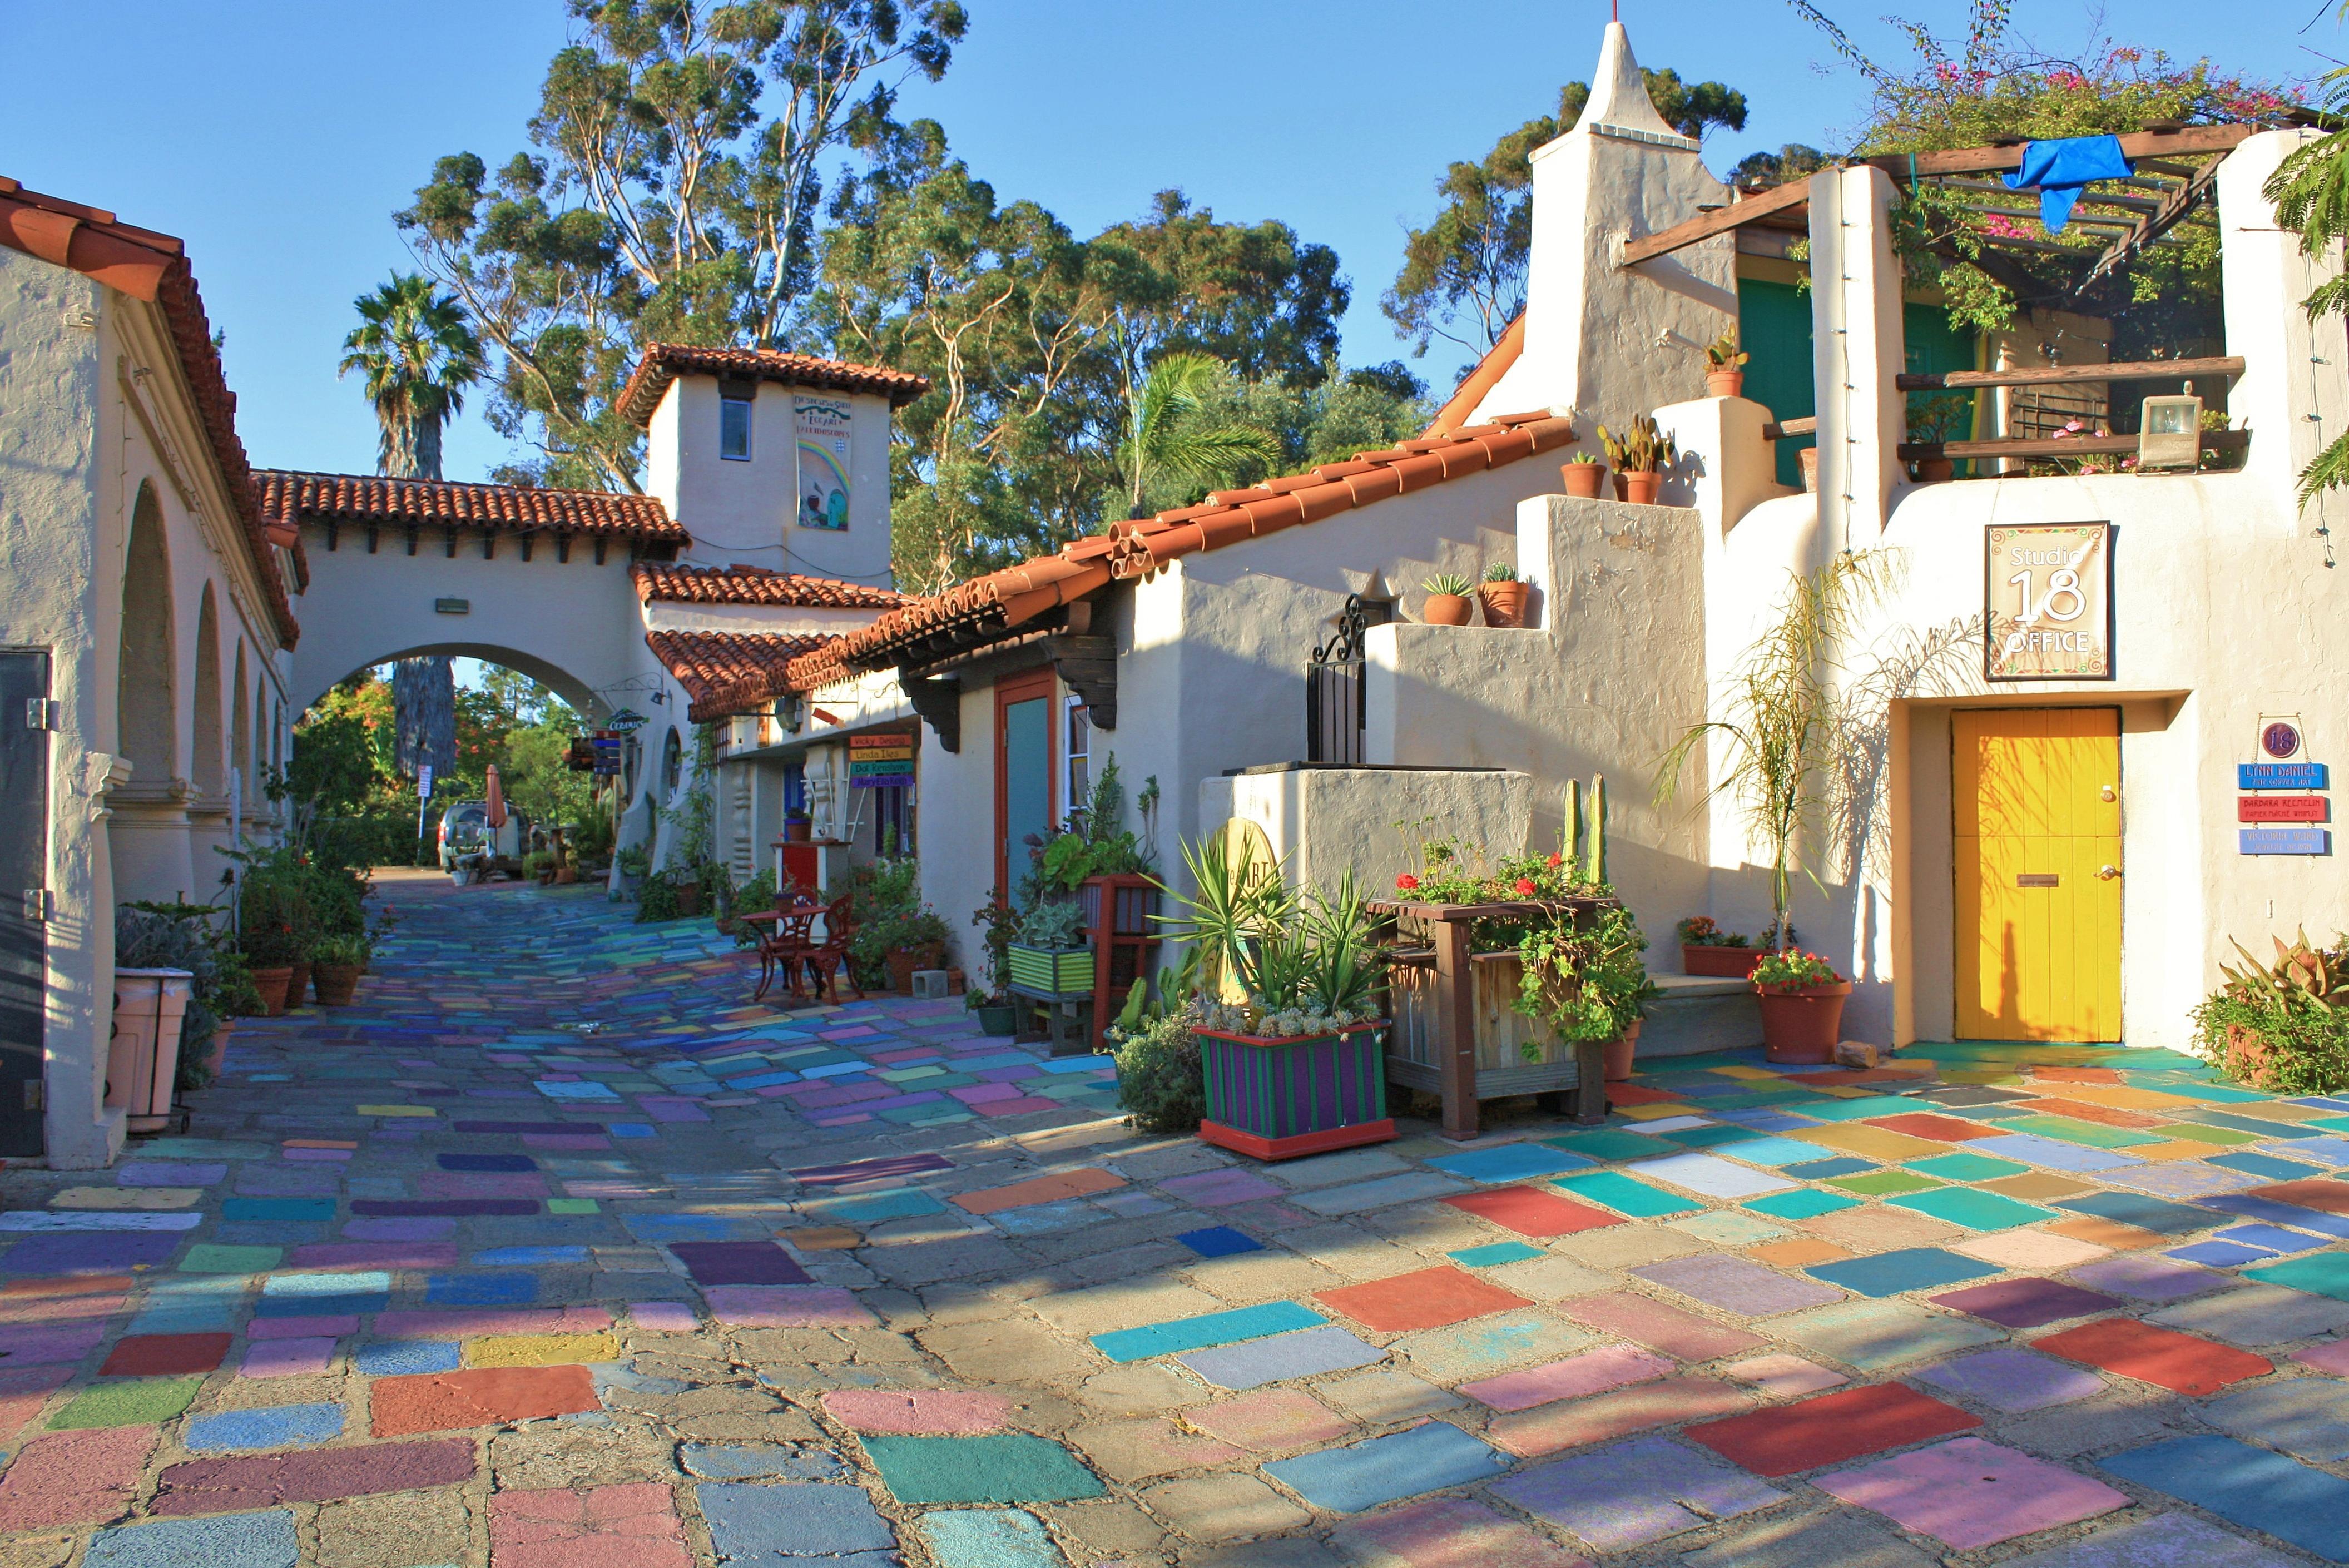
<point>1334,685</point>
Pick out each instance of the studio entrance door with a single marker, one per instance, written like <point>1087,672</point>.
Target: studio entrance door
<point>2037,792</point>
<point>1023,772</point>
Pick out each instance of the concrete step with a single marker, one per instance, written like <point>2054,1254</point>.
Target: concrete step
<point>1700,1012</point>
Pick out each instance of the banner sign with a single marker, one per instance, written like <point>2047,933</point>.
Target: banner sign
<point>2048,602</point>
<point>823,427</point>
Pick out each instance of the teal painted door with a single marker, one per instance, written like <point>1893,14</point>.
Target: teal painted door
<point>1773,325</point>
<point>1023,772</point>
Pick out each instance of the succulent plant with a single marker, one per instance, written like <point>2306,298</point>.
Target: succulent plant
<point>1644,450</point>
<point>1722,353</point>
<point>2300,973</point>
<point>1450,582</point>
<point>1500,571</point>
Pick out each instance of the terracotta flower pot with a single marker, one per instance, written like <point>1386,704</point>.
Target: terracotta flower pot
<point>273,984</point>
<point>217,1049</point>
<point>1731,962</point>
<point>1582,479</point>
<point>1809,459</point>
<point>336,984</point>
<point>564,876</point>
<point>1936,471</point>
<point>1724,383</point>
<point>1639,489</point>
<point>2247,1056</point>
<point>1620,1050</point>
<point>297,985</point>
<point>1505,603</point>
<point>1801,1027</point>
<point>1447,609</point>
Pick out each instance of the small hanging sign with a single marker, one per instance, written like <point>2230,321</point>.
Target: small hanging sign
<point>2284,841</point>
<point>2048,602</point>
<point>2281,776</point>
<point>2282,809</point>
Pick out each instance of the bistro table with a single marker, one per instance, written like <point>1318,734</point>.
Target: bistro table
<point>790,939</point>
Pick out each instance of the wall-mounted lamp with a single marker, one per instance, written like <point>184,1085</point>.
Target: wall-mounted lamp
<point>2170,435</point>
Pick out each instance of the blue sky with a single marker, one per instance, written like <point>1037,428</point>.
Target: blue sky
<point>276,138</point>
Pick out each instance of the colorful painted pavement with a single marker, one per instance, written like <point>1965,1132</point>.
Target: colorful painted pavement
<point>550,1254</point>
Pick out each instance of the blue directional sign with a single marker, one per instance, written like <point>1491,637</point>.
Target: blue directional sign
<point>2285,841</point>
<point>2281,776</point>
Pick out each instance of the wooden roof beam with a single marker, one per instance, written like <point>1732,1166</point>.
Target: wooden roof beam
<point>2192,139</point>
<point>2154,225</point>
<point>1705,225</point>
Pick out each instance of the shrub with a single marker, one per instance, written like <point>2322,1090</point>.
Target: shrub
<point>1792,969</point>
<point>1159,1079</point>
<point>2284,1027</point>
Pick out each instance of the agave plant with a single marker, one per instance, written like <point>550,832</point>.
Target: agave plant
<point>2301,973</point>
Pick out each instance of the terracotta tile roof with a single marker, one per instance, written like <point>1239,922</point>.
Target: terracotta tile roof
<point>154,268</point>
<point>987,607</point>
<point>756,585</point>
<point>1482,380</point>
<point>727,672</point>
<point>370,498</point>
<point>664,362</point>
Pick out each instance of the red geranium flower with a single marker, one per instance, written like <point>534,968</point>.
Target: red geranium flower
<point>1556,860</point>
<point>1406,882</point>
<point>1526,888</point>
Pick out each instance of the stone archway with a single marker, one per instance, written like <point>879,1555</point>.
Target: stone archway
<point>570,687</point>
<point>147,835</point>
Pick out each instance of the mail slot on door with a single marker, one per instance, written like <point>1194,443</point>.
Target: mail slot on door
<point>2037,879</point>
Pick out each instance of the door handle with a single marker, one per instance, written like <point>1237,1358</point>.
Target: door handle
<point>2106,874</point>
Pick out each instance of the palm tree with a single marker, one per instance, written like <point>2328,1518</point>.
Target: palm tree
<point>418,353</point>
<point>1162,437</point>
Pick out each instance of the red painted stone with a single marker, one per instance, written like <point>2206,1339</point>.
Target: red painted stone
<point>607,1527</point>
<point>75,1478</point>
<point>165,1354</point>
<point>23,1392</point>
<point>1939,1128</point>
<point>2162,1356</point>
<point>1429,1298</point>
<point>1533,1213</point>
<point>1831,1429</point>
<point>449,1402</point>
<point>321,1475</point>
<point>1632,1094</point>
<point>2077,1074</point>
<point>2329,1196</point>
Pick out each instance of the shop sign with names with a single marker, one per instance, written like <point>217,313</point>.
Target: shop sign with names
<point>2047,605</point>
<point>2282,809</point>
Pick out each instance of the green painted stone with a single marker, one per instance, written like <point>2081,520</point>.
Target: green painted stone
<point>1878,1184</point>
<point>2087,1134</point>
<point>2320,1273</point>
<point>1610,1144</point>
<point>132,1402</point>
<point>1807,1204</point>
<point>1974,1210</point>
<point>1010,1467</point>
<point>213,1257</point>
<point>1625,1194</point>
<point>571,1206</point>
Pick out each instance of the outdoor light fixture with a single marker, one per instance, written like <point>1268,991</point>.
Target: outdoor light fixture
<point>2170,435</point>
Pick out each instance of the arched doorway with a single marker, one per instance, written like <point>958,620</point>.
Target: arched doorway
<point>208,804</point>
<point>147,836</point>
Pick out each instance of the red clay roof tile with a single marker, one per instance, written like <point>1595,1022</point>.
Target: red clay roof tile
<point>728,672</point>
<point>370,498</point>
<point>664,362</point>
<point>674,584</point>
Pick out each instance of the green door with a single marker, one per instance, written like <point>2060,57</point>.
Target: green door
<point>1773,325</point>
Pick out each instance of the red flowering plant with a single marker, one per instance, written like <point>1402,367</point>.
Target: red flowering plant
<point>1453,872</point>
<point>1794,970</point>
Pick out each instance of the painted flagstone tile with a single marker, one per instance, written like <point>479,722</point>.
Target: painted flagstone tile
<point>1426,1458</point>
<point>1971,1494</point>
<point>2248,1486</point>
<point>1308,1353</point>
<point>1830,1429</point>
<point>1641,1491</point>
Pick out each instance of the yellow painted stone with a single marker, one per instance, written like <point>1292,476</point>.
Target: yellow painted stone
<point>541,1349</point>
<point>128,1198</point>
<point>1751,1075</point>
<point>1870,1143</point>
<point>396,1110</point>
<point>2121,1097</point>
<point>2275,1111</point>
<point>1654,1112</point>
<point>823,1238</point>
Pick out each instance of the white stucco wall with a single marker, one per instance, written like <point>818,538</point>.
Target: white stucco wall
<point>745,511</point>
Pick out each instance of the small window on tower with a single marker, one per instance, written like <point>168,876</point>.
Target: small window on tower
<point>734,426</point>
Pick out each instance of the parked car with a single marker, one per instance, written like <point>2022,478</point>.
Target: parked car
<point>465,833</point>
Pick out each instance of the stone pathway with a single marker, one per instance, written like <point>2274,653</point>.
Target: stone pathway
<point>553,1254</point>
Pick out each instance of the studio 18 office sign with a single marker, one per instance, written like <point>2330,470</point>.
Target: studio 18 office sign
<point>2048,602</point>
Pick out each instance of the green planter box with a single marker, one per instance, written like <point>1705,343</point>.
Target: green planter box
<point>1062,971</point>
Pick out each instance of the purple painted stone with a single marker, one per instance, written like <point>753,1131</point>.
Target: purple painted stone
<point>1634,1493</point>
<point>2147,1277</point>
<point>167,1173</point>
<point>374,1256</point>
<point>2014,1380</point>
<point>318,1156</point>
<point>1733,1285</point>
<point>671,1108</point>
<point>2025,1303</point>
<point>1972,1494</point>
<point>33,1346</point>
<point>1219,1188</point>
<point>90,1251</point>
<point>325,1326</point>
<point>395,1230</point>
<point>480,1184</point>
<point>519,1126</point>
<point>870,1169</point>
<point>738,1262</point>
<point>452,1206</point>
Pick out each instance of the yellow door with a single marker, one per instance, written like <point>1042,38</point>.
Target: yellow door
<point>2037,792</point>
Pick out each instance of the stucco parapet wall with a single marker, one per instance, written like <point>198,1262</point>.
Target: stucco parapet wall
<point>1374,821</point>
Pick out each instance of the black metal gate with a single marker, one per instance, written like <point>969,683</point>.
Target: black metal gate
<point>24,726</point>
<point>1334,685</point>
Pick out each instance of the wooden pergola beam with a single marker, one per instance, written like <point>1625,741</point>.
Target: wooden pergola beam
<point>2193,139</point>
<point>2061,374</point>
<point>1705,225</point>
<point>2154,225</point>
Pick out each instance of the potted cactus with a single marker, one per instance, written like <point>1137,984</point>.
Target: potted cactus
<point>1448,603</point>
<point>1724,366</point>
<point>1504,595</point>
<point>1639,456</point>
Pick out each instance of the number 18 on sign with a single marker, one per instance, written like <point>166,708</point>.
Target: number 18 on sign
<point>2048,602</point>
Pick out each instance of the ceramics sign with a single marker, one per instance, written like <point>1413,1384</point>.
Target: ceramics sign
<point>2047,605</point>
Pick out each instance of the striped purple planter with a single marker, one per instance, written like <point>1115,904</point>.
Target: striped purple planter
<point>1277,1099</point>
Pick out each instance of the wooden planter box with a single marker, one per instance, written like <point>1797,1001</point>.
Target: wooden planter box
<point>1052,974</point>
<point>1502,1032</point>
<point>1277,1099</point>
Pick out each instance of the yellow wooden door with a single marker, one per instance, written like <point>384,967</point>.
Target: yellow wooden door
<point>2038,816</point>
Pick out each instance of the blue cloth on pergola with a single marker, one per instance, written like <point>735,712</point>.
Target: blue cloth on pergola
<point>2060,168</point>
